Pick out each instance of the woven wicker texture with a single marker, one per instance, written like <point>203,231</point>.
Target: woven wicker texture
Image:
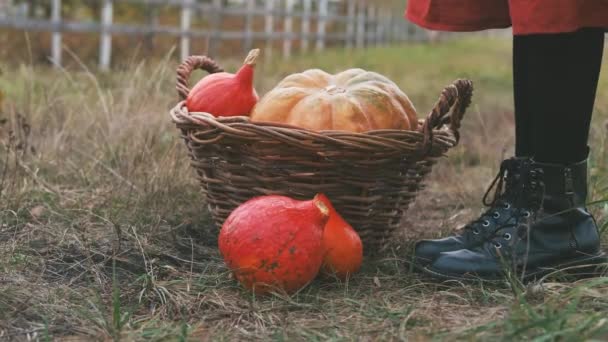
<point>371,177</point>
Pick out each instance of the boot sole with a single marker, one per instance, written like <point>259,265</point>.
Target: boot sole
<point>420,263</point>
<point>584,267</point>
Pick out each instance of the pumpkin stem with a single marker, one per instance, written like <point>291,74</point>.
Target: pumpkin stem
<point>320,204</point>
<point>252,57</point>
<point>245,73</point>
<point>333,89</point>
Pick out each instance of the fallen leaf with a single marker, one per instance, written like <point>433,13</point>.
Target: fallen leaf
<point>377,281</point>
<point>37,211</point>
<point>459,213</point>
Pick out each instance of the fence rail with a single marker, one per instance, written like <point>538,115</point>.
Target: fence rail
<point>359,24</point>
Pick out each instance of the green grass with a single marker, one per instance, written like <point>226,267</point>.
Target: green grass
<point>104,235</point>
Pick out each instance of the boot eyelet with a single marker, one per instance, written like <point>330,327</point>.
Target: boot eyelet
<point>507,236</point>
<point>476,231</point>
<point>507,206</point>
<point>526,214</point>
<point>497,245</point>
<point>486,223</point>
<point>496,215</point>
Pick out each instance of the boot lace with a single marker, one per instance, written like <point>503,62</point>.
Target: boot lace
<point>504,185</point>
<point>504,176</point>
<point>532,194</point>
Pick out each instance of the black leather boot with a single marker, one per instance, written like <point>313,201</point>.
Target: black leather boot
<point>500,211</point>
<point>553,232</point>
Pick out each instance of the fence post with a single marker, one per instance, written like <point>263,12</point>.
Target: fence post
<point>152,21</point>
<point>321,22</point>
<point>380,19</point>
<point>287,28</point>
<point>410,31</point>
<point>389,28</point>
<point>393,27</point>
<point>350,23</point>
<point>269,26</point>
<point>216,27</point>
<point>398,27</point>
<point>186,20</point>
<point>56,38</point>
<point>370,26</point>
<point>304,38</point>
<point>248,41</point>
<point>105,42</point>
<point>360,24</point>
<point>422,35</point>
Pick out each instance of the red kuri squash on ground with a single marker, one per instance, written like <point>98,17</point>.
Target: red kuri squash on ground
<point>273,243</point>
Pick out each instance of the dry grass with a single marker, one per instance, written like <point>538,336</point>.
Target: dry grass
<point>103,234</point>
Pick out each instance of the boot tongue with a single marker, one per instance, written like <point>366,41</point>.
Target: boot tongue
<point>513,178</point>
<point>510,174</point>
<point>507,187</point>
<point>530,191</point>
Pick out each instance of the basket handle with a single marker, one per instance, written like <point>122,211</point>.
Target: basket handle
<point>454,99</point>
<point>185,69</point>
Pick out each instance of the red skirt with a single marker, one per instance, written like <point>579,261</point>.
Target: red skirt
<point>526,16</point>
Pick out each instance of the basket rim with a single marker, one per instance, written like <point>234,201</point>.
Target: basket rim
<point>204,128</point>
<point>180,115</point>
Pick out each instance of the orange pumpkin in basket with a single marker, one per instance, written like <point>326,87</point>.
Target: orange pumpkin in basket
<point>354,100</point>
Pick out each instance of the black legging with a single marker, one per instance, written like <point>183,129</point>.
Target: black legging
<point>555,80</point>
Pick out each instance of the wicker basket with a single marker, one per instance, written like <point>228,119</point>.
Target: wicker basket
<point>371,177</point>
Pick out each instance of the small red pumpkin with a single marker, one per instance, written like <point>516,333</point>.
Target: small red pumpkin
<point>342,247</point>
<point>225,94</point>
<point>274,242</point>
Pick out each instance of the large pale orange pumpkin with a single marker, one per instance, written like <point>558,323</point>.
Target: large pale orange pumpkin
<point>354,100</point>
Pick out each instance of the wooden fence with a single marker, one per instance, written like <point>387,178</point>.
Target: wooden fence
<point>360,23</point>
